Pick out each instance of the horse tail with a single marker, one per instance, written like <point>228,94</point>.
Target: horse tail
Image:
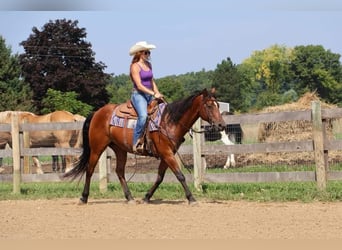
<point>82,164</point>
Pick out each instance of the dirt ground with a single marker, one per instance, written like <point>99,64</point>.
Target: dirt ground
<point>115,219</point>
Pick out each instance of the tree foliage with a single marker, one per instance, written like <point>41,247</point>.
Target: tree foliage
<point>315,69</point>
<point>268,74</point>
<point>172,88</point>
<point>119,88</point>
<point>15,94</point>
<point>58,100</point>
<point>227,80</point>
<point>59,57</point>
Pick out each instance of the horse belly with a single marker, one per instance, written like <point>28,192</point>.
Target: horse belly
<point>122,137</point>
<point>42,139</point>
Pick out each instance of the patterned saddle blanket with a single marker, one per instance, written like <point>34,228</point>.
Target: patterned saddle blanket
<point>125,117</point>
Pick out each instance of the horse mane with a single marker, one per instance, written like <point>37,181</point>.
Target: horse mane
<point>175,110</point>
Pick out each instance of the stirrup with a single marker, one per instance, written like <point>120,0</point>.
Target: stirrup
<point>138,148</point>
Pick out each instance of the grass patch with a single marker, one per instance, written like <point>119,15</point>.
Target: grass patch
<point>259,192</point>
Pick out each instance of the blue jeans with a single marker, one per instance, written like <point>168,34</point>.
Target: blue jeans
<point>140,102</point>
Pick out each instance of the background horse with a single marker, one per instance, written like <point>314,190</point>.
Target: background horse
<point>75,142</point>
<point>176,120</point>
<point>58,138</point>
<point>231,135</point>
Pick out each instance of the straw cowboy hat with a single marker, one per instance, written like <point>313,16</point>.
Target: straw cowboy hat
<point>139,46</point>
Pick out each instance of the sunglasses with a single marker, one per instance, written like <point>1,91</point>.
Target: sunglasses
<point>147,52</point>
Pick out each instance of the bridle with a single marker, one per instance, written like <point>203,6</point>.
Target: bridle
<point>206,108</point>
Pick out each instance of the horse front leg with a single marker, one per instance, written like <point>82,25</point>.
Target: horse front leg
<point>227,164</point>
<point>173,164</point>
<point>37,164</point>
<point>55,163</point>
<point>160,177</point>
<point>232,160</point>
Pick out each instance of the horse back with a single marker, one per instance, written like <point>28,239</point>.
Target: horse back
<point>60,116</point>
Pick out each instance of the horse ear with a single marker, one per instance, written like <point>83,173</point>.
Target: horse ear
<point>204,92</point>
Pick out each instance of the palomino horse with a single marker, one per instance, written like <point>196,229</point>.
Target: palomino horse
<point>176,120</point>
<point>58,138</point>
<point>75,142</point>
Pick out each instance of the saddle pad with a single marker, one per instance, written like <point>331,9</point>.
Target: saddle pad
<point>131,123</point>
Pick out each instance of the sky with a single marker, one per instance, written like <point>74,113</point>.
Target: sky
<point>190,35</point>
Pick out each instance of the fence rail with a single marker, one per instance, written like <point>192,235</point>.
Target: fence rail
<point>320,145</point>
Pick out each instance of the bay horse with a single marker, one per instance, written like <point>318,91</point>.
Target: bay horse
<point>176,120</point>
<point>57,138</point>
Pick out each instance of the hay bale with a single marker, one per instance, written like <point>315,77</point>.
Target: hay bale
<point>292,130</point>
<point>287,132</point>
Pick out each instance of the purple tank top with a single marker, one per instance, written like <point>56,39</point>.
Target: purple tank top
<point>146,78</point>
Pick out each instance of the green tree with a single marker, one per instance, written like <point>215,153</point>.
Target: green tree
<point>171,88</point>
<point>195,81</point>
<point>315,69</point>
<point>15,94</point>
<point>267,71</point>
<point>60,58</point>
<point>119,88</point>
<point>227,81</point>
<point>58,100</point>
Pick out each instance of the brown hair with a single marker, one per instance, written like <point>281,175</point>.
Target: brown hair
<point>136,59</point>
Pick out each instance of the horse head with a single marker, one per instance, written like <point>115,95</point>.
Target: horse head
<point>210,110</point>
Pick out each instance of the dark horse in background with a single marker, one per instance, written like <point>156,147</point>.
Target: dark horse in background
<point>232,134</point>
<point>176,120</point>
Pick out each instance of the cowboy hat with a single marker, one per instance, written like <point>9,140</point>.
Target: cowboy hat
<point>139,46</point>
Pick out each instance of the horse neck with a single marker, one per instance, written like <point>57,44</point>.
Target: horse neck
<point>190,116</point>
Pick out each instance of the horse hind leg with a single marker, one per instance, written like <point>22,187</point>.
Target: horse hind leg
<point>121,159</point>
<point>93,159</point>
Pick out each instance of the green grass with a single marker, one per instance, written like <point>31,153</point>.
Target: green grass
<point>259,192</point>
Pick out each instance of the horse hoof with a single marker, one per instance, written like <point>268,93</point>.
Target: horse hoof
<point>39,171</point>
<point>193,203</point>
<point>131,202</point>
<point>145,201</point>
<point>82,202</point>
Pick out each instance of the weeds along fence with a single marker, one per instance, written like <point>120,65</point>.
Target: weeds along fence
<point>320,145</point>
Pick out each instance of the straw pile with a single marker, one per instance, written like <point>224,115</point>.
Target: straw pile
<point>288,131</point>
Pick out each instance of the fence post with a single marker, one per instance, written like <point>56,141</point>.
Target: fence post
<point>318,140</point>
<point>197,156</point>
<point>26,143</point>
<point>103,172</point>
<point>15,152</point>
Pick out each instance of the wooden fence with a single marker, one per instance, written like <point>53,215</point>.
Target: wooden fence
<point>320,145</point>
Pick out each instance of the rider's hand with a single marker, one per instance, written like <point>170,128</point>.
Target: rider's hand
<point>158,95</point>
